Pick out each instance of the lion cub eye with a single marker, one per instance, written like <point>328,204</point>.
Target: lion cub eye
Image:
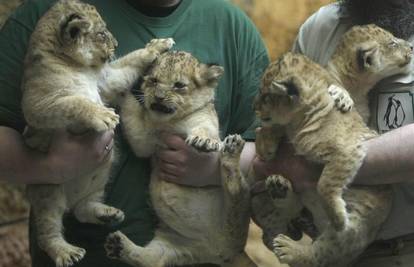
<point>152,81</point>
<point>393,44</point>
<point>101,35</point>
<point>179,85</point>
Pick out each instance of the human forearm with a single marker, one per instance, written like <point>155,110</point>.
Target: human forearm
<point>389,159</point>
<point>18,163</point>
<point>179,163</point>
<point>247,156</point>
<point>69,156</point>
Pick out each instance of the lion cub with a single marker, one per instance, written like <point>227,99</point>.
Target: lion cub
<point>66,68</point>
<point>198,225</point>
<point>324,135</point>
<point>364,56</point>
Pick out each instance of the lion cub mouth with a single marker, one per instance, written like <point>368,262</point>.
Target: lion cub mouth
<point>162,108</point>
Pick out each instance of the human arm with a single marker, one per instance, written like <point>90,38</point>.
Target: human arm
<point>389,159</point>
<point>181,164</point>
<point>68,157</point>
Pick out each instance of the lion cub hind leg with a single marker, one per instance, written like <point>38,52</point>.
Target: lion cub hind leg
<point>335,176</point>
<point>285,208</point>
<point>49,205</point>
<point>331,248</point>
<point>236,193</point>
<point>92,210</point>
<point>160,252</point>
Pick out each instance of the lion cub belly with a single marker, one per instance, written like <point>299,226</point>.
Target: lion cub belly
<point>81,187</point>
<point>89,88</point>
<point>199,210</point>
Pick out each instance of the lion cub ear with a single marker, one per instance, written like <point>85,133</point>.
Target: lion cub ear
<point>367,54</point>
<point>73,26</point>
<point>210,75</point>
<point>284,88</point>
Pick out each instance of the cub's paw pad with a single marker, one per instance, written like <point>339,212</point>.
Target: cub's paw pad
<point>203,144</point>
<point>110,215</point>
<point>68,255</point>
<point>233,144</point>
<point>160,45</point>
<point>343,100</point>
<point>277,186</point>
<point>114,245</point>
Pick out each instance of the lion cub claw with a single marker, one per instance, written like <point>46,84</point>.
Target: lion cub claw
<point>103,120</point>
<point>277,186</point>
<point>68,255</point>
<point>203,144</point>
<point>342,98</point>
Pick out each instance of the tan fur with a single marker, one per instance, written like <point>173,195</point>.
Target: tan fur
<point>295,96</point>
<point>198,225</point>
<point>66,72</point>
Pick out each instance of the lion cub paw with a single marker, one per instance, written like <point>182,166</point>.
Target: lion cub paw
<point>104,119</point>
<point>278,186</point>
<point>160,45</point>
<point>291,252</point>
<point>110,215</point>
<point>116,245</point>
<point>68,255</point>
<point>343,100</point>
<point>233,144</point>
<point>203,144</point>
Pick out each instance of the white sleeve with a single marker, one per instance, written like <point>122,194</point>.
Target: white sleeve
<point>302,38</point>
<point>319,34</point>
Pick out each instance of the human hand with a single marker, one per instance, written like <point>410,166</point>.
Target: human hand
<point>302,173</point>
<point>72,156</point>
<point>181,164</point>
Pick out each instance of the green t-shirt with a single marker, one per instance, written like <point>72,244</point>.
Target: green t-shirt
<point>214,31</point>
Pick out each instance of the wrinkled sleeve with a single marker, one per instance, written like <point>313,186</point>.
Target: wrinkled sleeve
<point>14,37</point>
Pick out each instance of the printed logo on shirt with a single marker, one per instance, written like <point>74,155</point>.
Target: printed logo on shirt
<point>395,109</point>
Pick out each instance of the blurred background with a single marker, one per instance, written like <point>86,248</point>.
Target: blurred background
<point>278,22</point>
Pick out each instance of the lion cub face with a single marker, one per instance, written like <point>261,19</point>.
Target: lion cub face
<point>290,86</point>
<point>375,52</point>
<point>83,35</point>
<point>178,84</point>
